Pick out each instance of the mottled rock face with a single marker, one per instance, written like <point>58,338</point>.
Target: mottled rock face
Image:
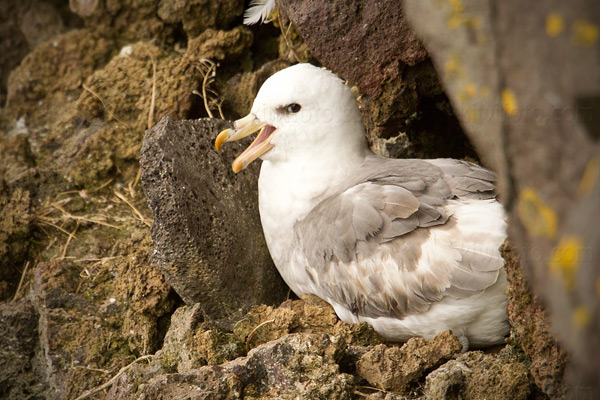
<point>480,376</point>
<point>207,234</point>
<point>531,330</point>
<point>295,366</point>
<point>353,36</point>
<point>524,81</point>
<point>18,338</point>
<point>15,226</point>
<point>305,352</point>
<point>397,368</point>
<point>197,15</point>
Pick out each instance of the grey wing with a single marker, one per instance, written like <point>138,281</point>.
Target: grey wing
<point>465,179</point>
<point>367,247</point>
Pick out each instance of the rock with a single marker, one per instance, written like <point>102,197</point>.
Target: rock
<point>530,330</point>
<point>474,376</point>
<point>192,343</point>
<point>522,79</point>
<point>96,317</point>
<point>41,23</point>
<point>18,166</point>
<point>96,138</point>
<point>18,339</point>
<point>15,226</point>
<point>207,236</point>
<point>202,384</point>
<point>312,362</point>
<point>23,25</point>
<point>13,45</point>
<point>310,315</point>
<point>37,79</point>
<point>356,38</point>
<point>220,45</point>
<point>397,368</point>
<point>84,8</point>
<point>199,15</point>
<point>372,46</point>
<point>242,88</point>
<point>296,366</point>
<point>130,20</point>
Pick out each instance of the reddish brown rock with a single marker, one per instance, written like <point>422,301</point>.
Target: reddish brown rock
<point>352,37</point>
<point>371,45</point>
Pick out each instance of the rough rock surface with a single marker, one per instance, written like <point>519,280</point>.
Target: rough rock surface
<point>311,314</point>
<point>524,80</point>
<point>529,328</point>
<point>476,375</point>
<point>81,298</point>
<point>304,351</point>
<point>196,16</point>
<point>372,46</point>
<point>43,80</point>
<point>192,343</point>
<point>296,365</point>
<point>18,339</point>
<point>396,368</point>
<point>355,39</point>
<point>23,25</point>
<point>189,187</point>
<point>15,227</point>
<point>84,327</point>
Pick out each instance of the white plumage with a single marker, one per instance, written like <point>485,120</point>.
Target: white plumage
<point>259,11</point>
<point>410,246</point>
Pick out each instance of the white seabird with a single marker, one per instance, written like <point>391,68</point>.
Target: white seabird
<point>410,246</point>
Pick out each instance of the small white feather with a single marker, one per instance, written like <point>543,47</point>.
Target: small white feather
<point>258,11</point>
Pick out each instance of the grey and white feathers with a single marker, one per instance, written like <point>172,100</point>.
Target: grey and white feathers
<point>410,246</point>
<point>259,11</point>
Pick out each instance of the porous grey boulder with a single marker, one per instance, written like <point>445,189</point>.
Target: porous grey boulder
<point>207,236</point>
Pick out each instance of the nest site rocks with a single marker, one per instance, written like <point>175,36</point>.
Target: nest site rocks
<point>207,236</point>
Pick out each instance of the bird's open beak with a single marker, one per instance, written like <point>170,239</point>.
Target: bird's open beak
<point>242,128</point>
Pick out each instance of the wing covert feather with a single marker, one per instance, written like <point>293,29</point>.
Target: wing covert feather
<point>363,243</point>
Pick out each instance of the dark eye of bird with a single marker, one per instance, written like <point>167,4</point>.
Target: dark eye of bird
<point>293,108</point>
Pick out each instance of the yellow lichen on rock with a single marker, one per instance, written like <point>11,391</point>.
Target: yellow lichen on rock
<point>554,24</point>
<point>453,67</point>
<point>566,258</point>
<point>509,102</point>
<point>584,33</point>
<point>581,317</point>
<point>590,177</point>
<point>535,215</point>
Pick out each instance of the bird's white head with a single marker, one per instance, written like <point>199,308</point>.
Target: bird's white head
<point>302,112</point>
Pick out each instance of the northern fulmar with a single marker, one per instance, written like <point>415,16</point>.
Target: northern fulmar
<point>410,246</point>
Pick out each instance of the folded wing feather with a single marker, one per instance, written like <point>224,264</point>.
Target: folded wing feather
<point>364,243</point>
